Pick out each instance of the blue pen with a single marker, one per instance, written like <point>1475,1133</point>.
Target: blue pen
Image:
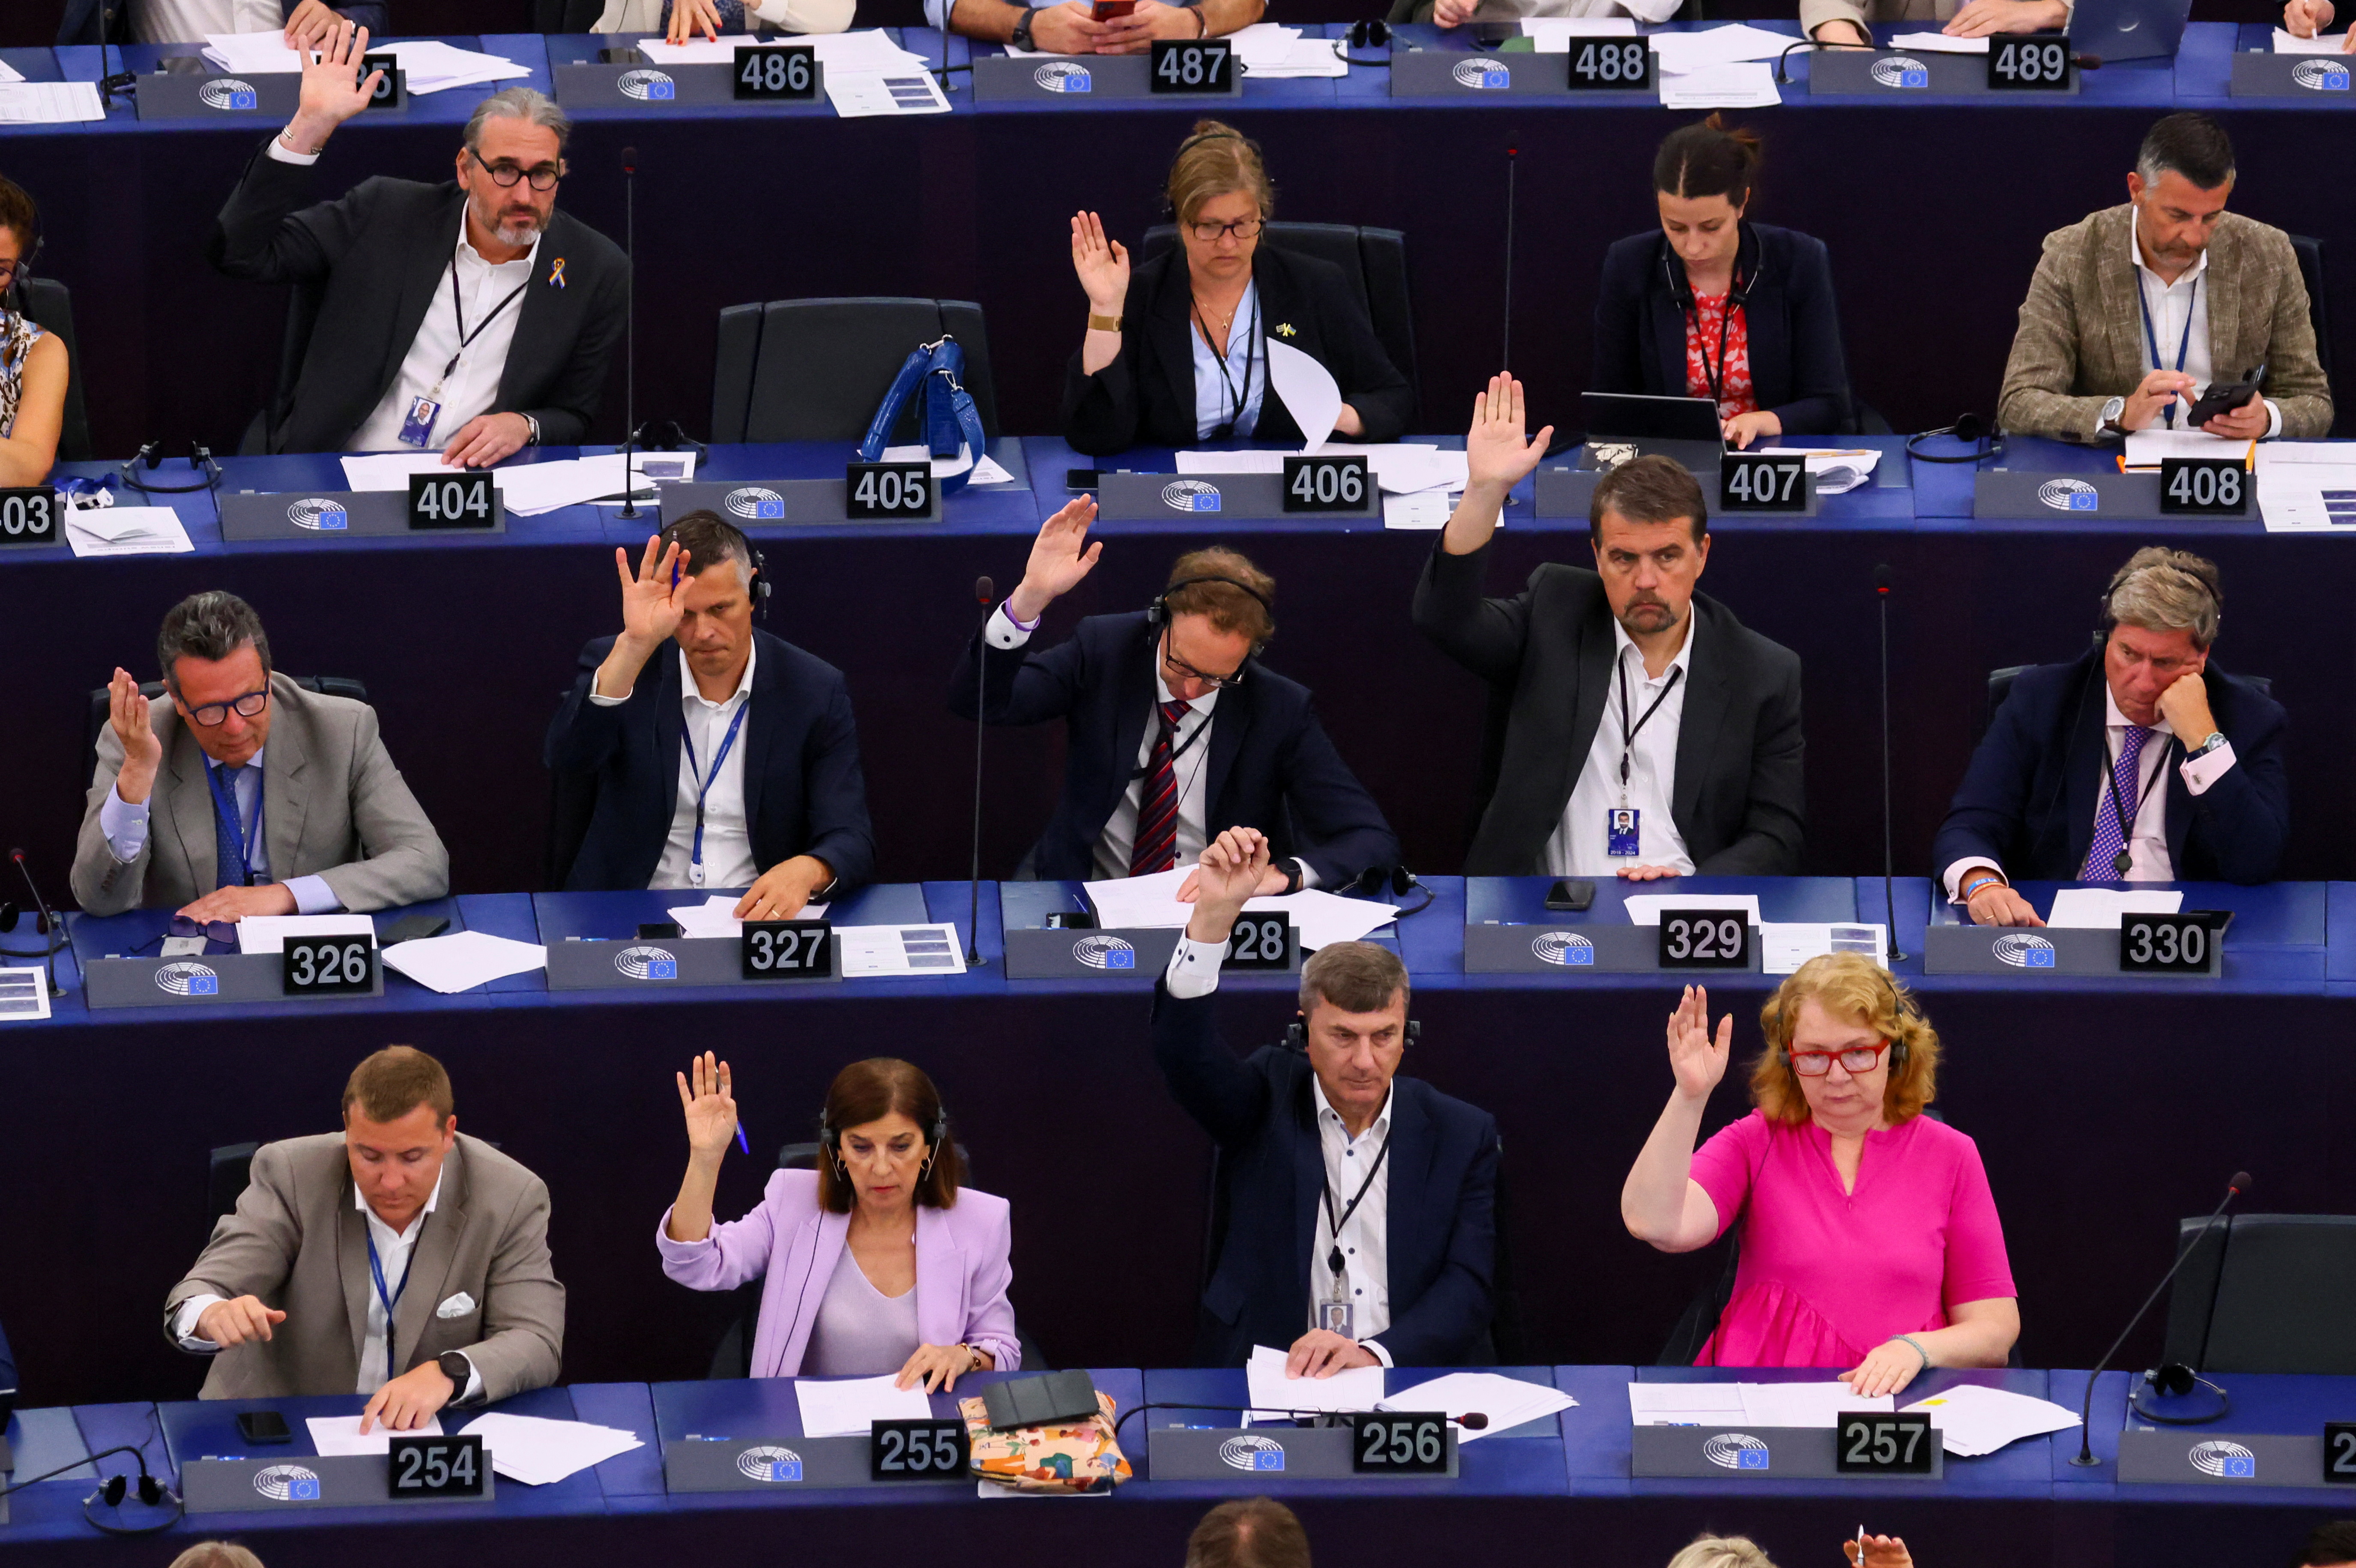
<point>740,1137</point>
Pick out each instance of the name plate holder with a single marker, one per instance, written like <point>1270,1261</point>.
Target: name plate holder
<point>2324,82</point>
<point>762,504</point>
<point>1571,951</point>
<point>1125,498</point>
<point>1754,1454</point>
<point>1450,73</point>
<point>2068,497</point>
<point>658,963</point>
<point>1042,953</point>
<point>1895,73</point>
<point>1247,1457</point>
<point>2203,1456</point>
<point>657,87</point>
<point>258,96</point>
<point>1074,80</point>
<point>1962,949</point>
<point>781,1464</point>
<point>329,515</point>
<point>202,981</point>
<point>1563,490</point>
<point>290,1482</point>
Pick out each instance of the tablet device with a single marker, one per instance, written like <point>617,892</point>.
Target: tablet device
<point>1634,416</point>
<point>2128,30</point>
<point>1034,1401</point>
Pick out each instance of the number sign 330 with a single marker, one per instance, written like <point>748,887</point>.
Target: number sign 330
<point>329,965</point>
<point>2184,943</point>
<point>1704,939</point>
<point>453,500</point>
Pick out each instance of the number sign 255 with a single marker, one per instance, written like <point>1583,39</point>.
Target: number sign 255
<point>931,1450</point>
<point>1261,942</point>
<point>450,1466</point>
<point>329,965</point>
<point>776,75</point>
<point>1883,1442</point>
<point>468,500</point>
<point>1704,939</point>
<point>788,949</point>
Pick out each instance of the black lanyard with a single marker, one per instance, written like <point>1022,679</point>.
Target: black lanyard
<point>1333,1258</point>
<point>1725,322</point>
<point>1628,734</point>
<point>466,338</point>
<point>2126,856</point>
<point>1225,432</point>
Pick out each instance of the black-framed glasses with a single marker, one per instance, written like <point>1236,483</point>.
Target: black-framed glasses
<point>214,714</point>
<point>1177,665</point>
<point>1242,229</point>
<point>1856,1058</point>
<point>211,930</point>
<point>505,175</point>
<point>14,273</point>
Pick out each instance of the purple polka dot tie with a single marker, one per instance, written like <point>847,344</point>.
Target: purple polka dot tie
<point>2111,834</point>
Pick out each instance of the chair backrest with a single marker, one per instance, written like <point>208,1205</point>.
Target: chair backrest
<point>303,302</point>
<point>1374,262</point>
<point>227,1172</point>
<point>816,369</point>
<point>565,16</point>
<point>1999,682</point>
<point>50,302</point>
<point>2309,252</point>
<point>2265,1293</point>
<point>100,704</point>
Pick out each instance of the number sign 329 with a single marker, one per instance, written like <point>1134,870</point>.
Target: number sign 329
<point>1261,942</point>
<point>887,490</point>
<point>1883,1442</point>
<point>29,516</point>
<point>1400,1442</point>
<point>1325,485</point>
<point>916,1451</point>
<point>776,74</point>
<point>1612,63</point>
<point>453,501</point>
<point>788,949</point>
<point>1704,939</point>
<point>450,1466</point>
<point>329,965</point>
<point>1193,65</point>
<point>1762,482</point>
<point>2039,63</point>
<point>2203,486</point>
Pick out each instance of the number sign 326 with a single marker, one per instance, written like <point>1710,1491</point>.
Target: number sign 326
<point>329,965</point>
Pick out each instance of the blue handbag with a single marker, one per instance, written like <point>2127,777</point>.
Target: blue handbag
<point>947,417</point>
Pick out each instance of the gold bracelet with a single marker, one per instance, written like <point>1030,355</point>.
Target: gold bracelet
<point>1103,323</point>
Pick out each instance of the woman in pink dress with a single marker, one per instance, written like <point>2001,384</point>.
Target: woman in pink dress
<point>1870,1238</point>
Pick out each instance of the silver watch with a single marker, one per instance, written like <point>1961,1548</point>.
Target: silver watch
<point>2109,424</point>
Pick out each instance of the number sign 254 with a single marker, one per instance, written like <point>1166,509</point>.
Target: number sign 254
<point>1704,939</point>
<point>450,1466</point>
<point>329,965</point>
<point>466,500</point>
<point>788,949</point>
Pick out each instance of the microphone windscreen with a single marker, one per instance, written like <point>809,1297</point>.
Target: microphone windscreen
<point>1474,1421</point>
<point>629,160</point>
<point>984,591</point>
<point>1882,576</point>
<point>2241,1182</point>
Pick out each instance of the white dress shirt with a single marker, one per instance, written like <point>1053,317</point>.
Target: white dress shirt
<point>2147,843</point>
<point>1577,848</point>
<point>1217,388</point>
<point>791,15</point>
<point>1194,971</point>
<point>474,385</point>
<point>191,21</point>
<point>727,833</point>
<point>2178,315</point>
<point>125,826</point>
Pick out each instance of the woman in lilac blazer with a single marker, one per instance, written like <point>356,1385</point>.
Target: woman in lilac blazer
<point>876,1262</point>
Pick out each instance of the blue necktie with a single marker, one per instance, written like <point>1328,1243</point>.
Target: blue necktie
<point>229,870</point>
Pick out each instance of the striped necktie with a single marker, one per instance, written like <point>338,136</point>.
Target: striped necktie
<point>1156,848</point>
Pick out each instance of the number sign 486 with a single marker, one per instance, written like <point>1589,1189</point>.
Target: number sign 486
<point>329,965</point>
<point>450,1466</point>
<point>2205,487</point>
<point>1261,942</point>
<point>1883,1442</point>
<point>1704,939</point>
<point>453,500</point>
<point>1612,63</point>
<point>1400,1442</point>
<point>1193,65</point>
<point>2037,63</point>
<point>788,949</point>
<point>1762,482</point>
<point>776,74</point>
<point>1325,485</point>
<point>29,516</point>
<point>931,1450</point>
<point>887,490</point>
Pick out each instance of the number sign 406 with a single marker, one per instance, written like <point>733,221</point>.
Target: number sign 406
<point>1192,65</point>
<point>1325,485</point>
<point>1620,64</point>
<point>766,72</point>
<point>329,965</point>
<point>2212,486</point>
<point>1704,939</point>
<point>931,1450</point>
<point>29,516</point>
<point>453,501</point>
<point>1883,1442</point>
<point>872,490</point>
<point>1411,1443</point>
<point>446,1467</point>
<point>2040,63</point>
<point>788,949</point>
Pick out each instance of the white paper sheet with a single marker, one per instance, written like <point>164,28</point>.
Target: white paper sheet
<point>1737,84</point>
<point>1682,53</point>
<point>433,66</point>
<point>462,960</point>
<point>50,103</point>
<point>1938,44</point>
<point>1399,468</point>
<point>253,54</point>
<point>868,50</point>
<point>2147,447</point>
<point>1269,50</point>
<point>716,916</point>
<point>1353,1388</point>
<point>126,531</point>
<point>866,94</point>
<point>1838,469</point>
<point>268,933</point>
<point>1784,945</point>
<point>1802,1405</point>
<point>849,1407</point>
<point>1645,909</point>
<point>986,472</point>
<point>530,488</point>
<point>1684,1405</point>
<point>862,951</point>
<point>2324,43</point>
<point>1553,34</point>
<point>538,1451</point>
<point>23,995</point>
<point>391,470</point>
<point>1425,510</point>
<point>1507,1402</point>
<point>337,1434</point>
<point>2101,909</point>
<point>10,73</point>
<point>1152,903</point>
<point>2304,497</point>
<point>1974,1420</point>
<point>1307,390</point>
<point>2299,454</point>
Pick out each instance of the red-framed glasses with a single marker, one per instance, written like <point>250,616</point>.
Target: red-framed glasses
<point>1856,1058</point>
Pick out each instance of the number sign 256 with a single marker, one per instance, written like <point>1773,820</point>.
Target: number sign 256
<point>932,1450</point>
<point>1261,942</point>
<point>1883,1442</point>
<point>1193,65</point>
<point>466,500</point>
<point>1400,1442</point>
<point>788,949</point>
<point>776,75</point>
<point>329,965</point>
<point>450,1466</point>
<point>1704,939</point>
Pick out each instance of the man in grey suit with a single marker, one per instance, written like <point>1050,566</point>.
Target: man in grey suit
<point>247,795</point>
<point>1650,733</point>
<point>395,1259</point>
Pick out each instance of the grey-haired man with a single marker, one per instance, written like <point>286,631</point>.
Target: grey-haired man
<point>469,318</point>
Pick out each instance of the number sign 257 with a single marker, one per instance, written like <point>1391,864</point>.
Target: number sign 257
<point>1883,1442</point>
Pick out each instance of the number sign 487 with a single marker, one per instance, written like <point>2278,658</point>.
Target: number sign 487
<point>1192,65</point>
<point>1704,939</point>
<point>2038,63</point>
<point>1883,1442</point>
<point>1612,63</point>
<point>447,1466</point>
<point>766,72</point>
<point>453,501</point>
<point>788,949</point>
<point>2209,487</point>
<point>329,965</point>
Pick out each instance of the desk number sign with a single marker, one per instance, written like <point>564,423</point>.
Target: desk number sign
<point>1762,482</point>
<point>1193,65</point>
<point>449,1465</point>
<point>329,965</point>
<point>453,500</point>
<point>388,89</point>
<point>1883,1442</point>
<point>1616,64</point>
<point>29,516</point>
<point>932,1450</point>
<point>776,75</point>
<point>1704,939</point>
<point>788,949</point>
<point>2340,1453</point>
<point>2032,62</point>
<point>1325,484</point>
<point>2183,943</point>
<point>1400,1442</point>
<point>2204,487</point>
<point>886,491</point>
<point>1261,942</point>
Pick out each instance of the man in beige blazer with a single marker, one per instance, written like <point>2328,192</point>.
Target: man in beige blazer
<point>2136,310</point>
<point>394,1259</point>
<point>245,794</point>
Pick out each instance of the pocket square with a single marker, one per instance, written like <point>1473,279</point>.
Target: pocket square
<point>457,1305</point>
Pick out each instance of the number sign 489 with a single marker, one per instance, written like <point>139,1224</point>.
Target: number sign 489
<point>1704,939</point>
<point>788,949</point>
<point>1261,942</point>
<point>450,1466</point>
<point>2204,486</point>
<point>465,500</point>
<point>1762,482</point>
<point>29,516</point>
<point>1327,484</point>
<point>916,1451</point>
<point>1883,1442</point>
<point>776,74</point>
<point>1192,65</point>
<point>1400,1442</point>
<point>329,965</point>
<point>887,490</point>
<point>2038,62</point>
<point>1617,64</point>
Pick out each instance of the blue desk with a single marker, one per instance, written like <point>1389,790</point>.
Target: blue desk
<point>2277,940</point>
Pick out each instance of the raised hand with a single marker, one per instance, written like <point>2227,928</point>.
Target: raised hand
<point>654,601</point>
<point>330,95</point>
<point>710,1107</point>
<point>1060,557</point>
<point>1698,1060</point>
<point>127,715</point>
<point>1879,1551</point>
<point>1229,876</point>
<point>1101,264</point>
<point>1496,455</point>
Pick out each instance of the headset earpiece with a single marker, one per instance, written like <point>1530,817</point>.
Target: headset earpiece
<point>1157,614</point>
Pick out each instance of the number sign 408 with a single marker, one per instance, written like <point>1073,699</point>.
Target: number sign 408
<point>2212,486</point>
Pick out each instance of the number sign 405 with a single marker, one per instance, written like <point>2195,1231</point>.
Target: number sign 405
<point>1704,939</point>
<point>329,965</point>
<point>1761,481</point>
<point>1325,485</point>
<point>916,1451</point>
<point>2039,63</point>
<point>1396,1443</point>
<point>788,949</point>
<point>2186,944</point>
<point>1617,64</point>
<point>1883,1442</point>
<point>1192,65</point>
<point>450,1466</point>
<point>872,490</point>
<point>29,516</point>
<point>453,501</point>
<point>2208,487</point>
<point>388,88</point>
<point>1261,942</point>
<point>767,72</point>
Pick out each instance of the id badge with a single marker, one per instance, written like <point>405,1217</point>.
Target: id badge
<point>417,426</point>
<point>1620,831</point>
<point>695,873</point>
<point>1338,1318</point>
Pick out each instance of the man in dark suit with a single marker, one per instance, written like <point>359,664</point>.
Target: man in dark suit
<point>2067,783</point>
<point>735,764</point>
<point>470,318</point>
<point>1362,1205</point>
<point>1630,693</point>
<point>1177,729</point>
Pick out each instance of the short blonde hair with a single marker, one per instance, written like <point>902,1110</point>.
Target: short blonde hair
<point>1847,985</point>
<point>216,1554</point>
<point>1722,1552</point>
<point>1214,160</point>
<point>2163,590</point>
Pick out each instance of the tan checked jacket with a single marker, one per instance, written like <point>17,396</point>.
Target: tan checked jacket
<point>2081,340</point>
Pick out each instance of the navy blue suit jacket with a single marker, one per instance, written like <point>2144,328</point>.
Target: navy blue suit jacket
<point>1272,764</point>
<point>1797,370</point>
<point>2027,804</point>
<point>804,792</point>
<point>1439,1235</point>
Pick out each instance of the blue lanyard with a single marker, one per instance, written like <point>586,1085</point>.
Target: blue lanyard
<point>695,858</point>
<point>376,1271</point>
<point>2152,338</point>
<point>245,839</point>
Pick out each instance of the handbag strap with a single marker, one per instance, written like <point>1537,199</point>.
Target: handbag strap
<point>949,417</point>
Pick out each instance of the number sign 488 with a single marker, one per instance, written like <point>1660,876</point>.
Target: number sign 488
<point>2038,63</point>
<point>329,965</point>
<point>766,72</point>
<point>453,500</point>
<point>1612,63</point>
<point>1192,65</point>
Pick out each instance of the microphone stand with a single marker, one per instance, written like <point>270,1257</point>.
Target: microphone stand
<point>1512,162</point>
<point>630,331</point>
<point>49,920</point>
<point>1881,596</point>
<point>986,593</point>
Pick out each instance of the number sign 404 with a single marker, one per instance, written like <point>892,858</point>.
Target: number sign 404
<point>453,501</point>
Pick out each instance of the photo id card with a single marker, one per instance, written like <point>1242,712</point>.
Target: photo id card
<point>1620,831</point>
<point>1338,1318</point>
<point>417,426</point>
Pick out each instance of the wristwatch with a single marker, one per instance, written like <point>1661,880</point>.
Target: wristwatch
<point>1020,37</point>
<point>2109,424</point>
<point>2216,739</point>
<point>458,1369</point>
<point>1292,875</point>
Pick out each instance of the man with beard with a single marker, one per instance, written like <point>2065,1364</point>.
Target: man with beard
<point>469,318</point>
<point>1640,730</point>
<point>2136,311</point>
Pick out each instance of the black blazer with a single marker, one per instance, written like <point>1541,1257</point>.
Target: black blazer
<point>1439,1224</point>
<point>379,254</point>
<point>2027,803</point>
<point>804,792</point>
<point>1740,799</point>
<point>1797,371</point>
<point>1146,397</point>
<point>1272,764</point>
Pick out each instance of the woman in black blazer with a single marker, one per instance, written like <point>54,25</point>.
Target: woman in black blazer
<point>1714,306</point>
<point>1177,353</point>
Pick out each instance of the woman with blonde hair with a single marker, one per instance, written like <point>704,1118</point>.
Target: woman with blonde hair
<point>1869,1237</point>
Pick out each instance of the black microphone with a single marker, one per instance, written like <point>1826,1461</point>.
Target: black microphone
<point>2086,1455</point>
<point>630,329</point>
<point>1506,351</point>
<point>985,594</point>
<point>48,926</point>
<point>1882,576</point>
<point>2088,62</point>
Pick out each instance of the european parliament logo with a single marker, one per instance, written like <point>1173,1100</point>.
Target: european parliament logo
<point>753,502</point>
<point>767,1462</point>
<point>1064,76</point>
<point>316,512</point>
<point>2070,496</point>
<point>187,980</point>
<point>2321,76</point>
<point>1564,947</point>
<point>227,92</point>
<point>647,85</point>
<point>1105,953</point>
<point>1901,71</point>
<point>647,964</point>
<point>2230,1461</point>
<point>1483,75</point>
<point>287,1484</point>
<point>1735,1451</point>
<point>1247,1451</point>
<point>2023,950</point>
<point>1191,496</point>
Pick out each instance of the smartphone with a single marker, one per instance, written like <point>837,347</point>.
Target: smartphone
<point>183,65</point>
<point>2224,399</point>
<point>1107,10</point>
<point>1071,919</point>
<point>1570,892</point>
<point>410,927</point>
<point>1080,478</point>
<point>657,930</point>
<point>620,57</point>
<point>262,1427</point>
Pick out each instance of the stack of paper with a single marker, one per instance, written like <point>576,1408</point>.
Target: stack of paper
<point>1424,509</point>
<point>864,94</point>
<point>850,1407</point>
<point>1754,1404</point>
<point>866,73</point>
<point>2147,447</point>
<point>23,995</point>
<point>1838,469</point>
<point>126,531</point>
<point>1275,1396</point>
<point>338,1434</point>
<point>866,951</point>
<point>2322,44</point>
<point>1552,34</point>
<point>10,73</point>
<point>986,472</point>
<point>1938,44</point>
<point>251,54</point>
<point>716,916</point>
<point>1400,468</point>
<point>2102,909</point>
<point>1645,909</point>
<point>391,470</point>
<point>1719,67</point>
<point>462,960</point>
<point>50,103</point>
<point>539,1452</point>
<point>1685,1405</point>
<point>530,488</point>
<point>1152,903</point>
<point>268,933</point>
<point>1267,49</point>
<point>1973,1419</point>
<point>1507,1402</point>
<point>2308,486</point>
<point>430,64</point>
<point>1784,945</point>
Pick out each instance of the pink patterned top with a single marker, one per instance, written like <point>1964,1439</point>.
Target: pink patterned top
<point>1825,1274</point>
<point>1735,396</point>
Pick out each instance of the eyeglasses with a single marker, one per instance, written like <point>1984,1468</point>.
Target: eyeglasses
<point>1242,229</point>
<point>1179,666</point>
<point>212,930</point>
<point>1856,1058</point>
<point>14,273</point>
<point>505,175</point>
<point>213,714</point>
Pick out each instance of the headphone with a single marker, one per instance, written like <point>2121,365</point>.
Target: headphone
<point>1366,33</point>
<point>151,454</point>
<point>1296,1034</point>
<point>2174,1379</point>
<point>1398,881</point>
<point>1157,613</point>
<point>1967,428</point>
<point>152,1493</point>
<point>829,1138</point>
<point>756,582</point>
<point>11,913</point>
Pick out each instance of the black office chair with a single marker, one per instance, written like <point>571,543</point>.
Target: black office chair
<point>572,802</point>
<point>816,369</point>
<point>2265,1293</point>
<point>50,302</point>
<point>565,16</point>
<point>2309,252</point>
<point>1999,683</point>
<point>1373,259</point>
<point>303,302</point>
<point>227,1173</point>
<point>324,685</point>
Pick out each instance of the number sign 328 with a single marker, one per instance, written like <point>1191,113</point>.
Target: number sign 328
<point>1704,939</point>
<point>1261,942</point>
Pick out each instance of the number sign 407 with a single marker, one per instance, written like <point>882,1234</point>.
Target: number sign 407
<point>2038,63</point>
<point>329,965</point>
<point>788,949</point>
<point>1192,65</point>
<point>1327,484</point>
<point>2204,486</point>
<point>1762,482</point>
<point>453,501</point>
<point>1617,64</point>
<point>776,74</point>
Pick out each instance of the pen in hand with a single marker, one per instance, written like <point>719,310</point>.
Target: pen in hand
<point>748,1149</point>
